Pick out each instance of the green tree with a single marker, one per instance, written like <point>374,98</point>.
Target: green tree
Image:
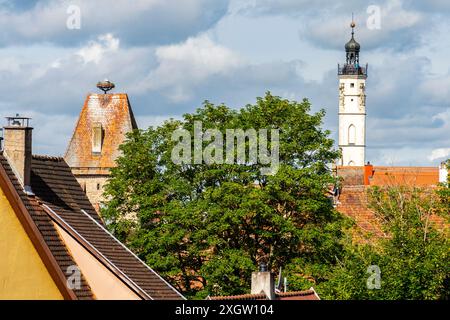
<point>413,258</point>
<point>207,227</point>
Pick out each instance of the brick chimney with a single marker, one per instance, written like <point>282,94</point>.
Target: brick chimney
<point>17,137</point>
<point>368,173</point>
<point>263,282</point>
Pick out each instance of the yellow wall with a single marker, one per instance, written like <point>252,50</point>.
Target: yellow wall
<point>23,275</point>
<point>104,284</point>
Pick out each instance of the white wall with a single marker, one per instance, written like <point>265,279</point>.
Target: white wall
<point>352,111</point>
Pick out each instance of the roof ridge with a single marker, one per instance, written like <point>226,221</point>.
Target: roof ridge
<point>47,157</point>
<point>71,230</point>
<point>146,289</point>
<point>258,296</point>
<point>245,296</point>
<point>295,293</point>
<point>131,252</point>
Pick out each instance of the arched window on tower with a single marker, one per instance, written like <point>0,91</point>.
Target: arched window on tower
<point>351,134</point>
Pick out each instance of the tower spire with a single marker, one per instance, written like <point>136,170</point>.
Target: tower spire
<point>352,49</point>
<point>353,25</point>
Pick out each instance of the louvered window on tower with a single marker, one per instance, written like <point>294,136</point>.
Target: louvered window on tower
<point>97,138</point>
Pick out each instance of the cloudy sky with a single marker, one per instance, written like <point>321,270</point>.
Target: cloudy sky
<point>170,55</point>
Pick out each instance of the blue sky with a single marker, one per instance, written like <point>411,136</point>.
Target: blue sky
<point>170,55</point>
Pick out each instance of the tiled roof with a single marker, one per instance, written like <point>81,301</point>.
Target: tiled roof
<point>48,231</point>
<point>298,295</point>
<point>411,176</point>
<point>53,183</point>
<point>259,296</point>
<point>388,176</point>
<point>354,200</point>
<point>354,203</point>
<point>59,197</point>
<point>113,112</point>
<point>293,295</point>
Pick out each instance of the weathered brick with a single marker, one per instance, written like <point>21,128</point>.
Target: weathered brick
<point>113,112</point>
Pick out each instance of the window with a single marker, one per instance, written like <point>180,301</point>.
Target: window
<point>351,134</point>
<point>98,186</point>
<point>351,163</point>
<point>352,85</point>
<point>97,138</point>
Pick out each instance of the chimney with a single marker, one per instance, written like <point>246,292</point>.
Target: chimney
<point>17,148</point>
<point>263,282</point>
<point>368,173</point>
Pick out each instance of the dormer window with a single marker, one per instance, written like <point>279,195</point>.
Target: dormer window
<point>97,138</point>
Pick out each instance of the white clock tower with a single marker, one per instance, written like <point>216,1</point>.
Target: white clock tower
<point>352,106</point>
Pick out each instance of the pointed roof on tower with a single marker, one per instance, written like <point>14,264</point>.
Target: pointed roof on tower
<point>352,45</point>
<point>102,126</point>
<point>352,64</point>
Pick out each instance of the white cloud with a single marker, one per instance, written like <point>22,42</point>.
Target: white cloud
<point>95,50</point>
<point>437,89</point>
<point>147,121</point>
<point>137,22</point>
<point>400,28</point>
<point>185,65</point>
<point>440,153</point>
<point>165,55</point>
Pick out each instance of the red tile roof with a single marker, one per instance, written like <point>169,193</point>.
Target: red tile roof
<point>259,296</point>
<point>411,176</point>
<point>387,176</point>
<point>298,295</point>
<point>293,295</point>
<point>354,203</point>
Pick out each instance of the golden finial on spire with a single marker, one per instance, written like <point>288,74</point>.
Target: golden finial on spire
<point>353,25</point>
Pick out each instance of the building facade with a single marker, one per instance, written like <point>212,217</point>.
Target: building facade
<point>53,243</point>
<point>352,106</point>
<point>102,126</point>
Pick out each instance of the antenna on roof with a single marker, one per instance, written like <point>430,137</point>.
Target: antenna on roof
<point>105,85</point>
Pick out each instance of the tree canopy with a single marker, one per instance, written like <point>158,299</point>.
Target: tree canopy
<point>412,261</point>
<point>206,227</point>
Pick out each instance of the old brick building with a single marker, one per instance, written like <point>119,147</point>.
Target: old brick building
<point>102,126</point>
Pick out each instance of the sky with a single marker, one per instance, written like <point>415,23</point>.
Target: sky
<point>171,55</point>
